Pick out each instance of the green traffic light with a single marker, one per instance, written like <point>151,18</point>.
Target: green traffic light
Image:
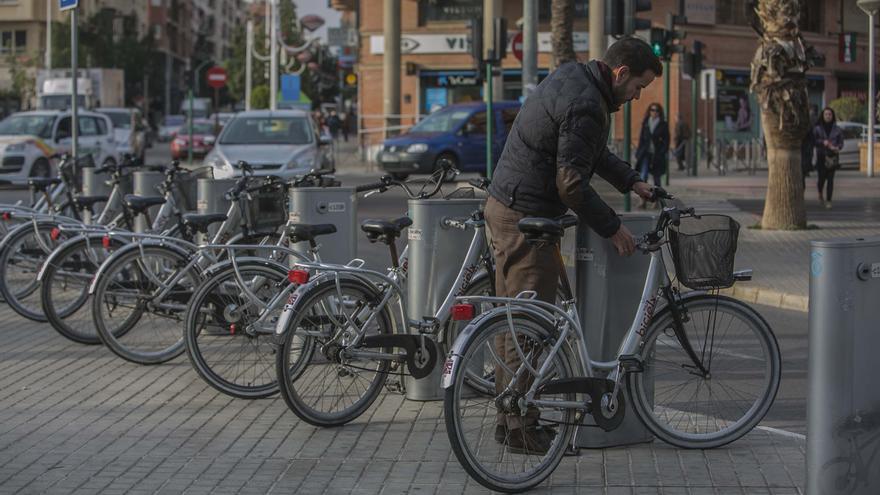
<point>658,49</point>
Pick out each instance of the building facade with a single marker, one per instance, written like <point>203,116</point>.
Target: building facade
<point>437,69</point>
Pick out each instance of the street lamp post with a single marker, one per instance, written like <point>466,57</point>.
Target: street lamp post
<point>870,7</point>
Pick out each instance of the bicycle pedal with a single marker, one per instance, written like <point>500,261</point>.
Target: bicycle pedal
<point>631,363</point>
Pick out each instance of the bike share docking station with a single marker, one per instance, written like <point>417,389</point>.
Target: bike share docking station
<point>608,291</point>
<point>336,205</point>
<point>843,406</point>
<point>211,198</point>
<point>436,253</point>
<point>146,183</point>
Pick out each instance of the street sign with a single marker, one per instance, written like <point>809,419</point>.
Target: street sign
<point>216,77</point>
<point>517,46</point>
<point>290,87</point>
<point>67,4</point>
<point>351,79</point>
<point>708,84</point>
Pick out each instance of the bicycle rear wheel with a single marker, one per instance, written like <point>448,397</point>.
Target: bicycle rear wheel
<point>24,252</point>
<point>140,301</point>
<point>329,387</point>
<point>683,407</point>
<point>224,355</point>
<point>499,445</point>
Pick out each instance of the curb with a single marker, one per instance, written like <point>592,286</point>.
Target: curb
<point>769,297</point>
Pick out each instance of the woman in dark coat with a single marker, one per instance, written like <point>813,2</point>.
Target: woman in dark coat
<point>652,155</point>
<point>828,139</point>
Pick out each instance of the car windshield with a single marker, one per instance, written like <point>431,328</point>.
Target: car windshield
<point>35,125</point>
<point>121,120</point>
<point>268,130</point>
<point>173,120</point>
<point>446,120</point>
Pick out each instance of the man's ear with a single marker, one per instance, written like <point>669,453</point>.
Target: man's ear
<point>620,73</point>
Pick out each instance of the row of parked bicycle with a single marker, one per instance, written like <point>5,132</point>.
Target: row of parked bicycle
<point>247,297</point>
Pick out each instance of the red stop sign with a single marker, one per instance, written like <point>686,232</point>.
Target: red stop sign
<point>216,77</point>
<point>517,46</point>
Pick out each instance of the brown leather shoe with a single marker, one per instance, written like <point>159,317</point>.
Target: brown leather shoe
<point>530,440</point>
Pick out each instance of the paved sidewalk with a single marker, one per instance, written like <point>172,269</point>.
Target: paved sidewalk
<point>76,419</point>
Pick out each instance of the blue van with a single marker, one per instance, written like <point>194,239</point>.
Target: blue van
<point>456,132</point>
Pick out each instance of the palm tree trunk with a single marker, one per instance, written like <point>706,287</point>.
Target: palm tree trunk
<point>779,81</point>
<point>562,25</point>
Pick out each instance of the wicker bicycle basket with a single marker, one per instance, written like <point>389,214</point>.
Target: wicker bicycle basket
<point>265,209</point>
<point>703,251</point>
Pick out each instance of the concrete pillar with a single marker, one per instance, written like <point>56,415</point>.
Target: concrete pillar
<point>597,29</point>
<point>530,46</point>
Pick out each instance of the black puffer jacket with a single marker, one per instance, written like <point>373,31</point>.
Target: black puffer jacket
<point>558,141</point>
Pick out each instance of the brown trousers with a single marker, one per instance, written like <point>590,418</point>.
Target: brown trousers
<point>519,266</point>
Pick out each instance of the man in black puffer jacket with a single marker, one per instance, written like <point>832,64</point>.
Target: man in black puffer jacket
<point>558,141</point>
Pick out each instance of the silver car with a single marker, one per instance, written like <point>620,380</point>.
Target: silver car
<point>284,143</point>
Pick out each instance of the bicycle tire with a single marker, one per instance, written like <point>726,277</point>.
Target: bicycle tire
<point>20,261</point>
<point>131,339</point>
<point>652,410</point>
<point>477,459</point>
<point>301,399</point>
<point>208,330</point>
<point>71,265</point>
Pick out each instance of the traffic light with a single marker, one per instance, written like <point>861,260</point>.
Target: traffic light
<point>692,63</point>
<point>477,41</point>
<point>614,17</point>
<point>500,38</point>
<point>672,35</point>
<point>659,42</point>
<point>631,23</point>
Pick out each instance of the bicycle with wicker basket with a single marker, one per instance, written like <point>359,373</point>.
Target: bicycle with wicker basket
<point>701,369</point>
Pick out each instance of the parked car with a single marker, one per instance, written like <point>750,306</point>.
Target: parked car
<point>284,143</point>
<point>129,130</point>
<point>203,140</point>
<point>169,127</point>
<point>28,139</point>
<point>456,133</point>
<point>222,117</point>
<point>852,135</point>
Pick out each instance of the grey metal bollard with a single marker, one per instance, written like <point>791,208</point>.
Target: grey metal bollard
<point>843,407</point>
<point>436,253</point>
<point>211,198</point>
<point>608,288</point>
<point>336,205</point>
<point>94,185</point>
<point>146,184</point>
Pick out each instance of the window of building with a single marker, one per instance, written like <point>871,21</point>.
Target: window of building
<point>581,8</point>
<point>736,12</point>
<point>449,10</point>
<point>5,41</point>
<point>20,41</point>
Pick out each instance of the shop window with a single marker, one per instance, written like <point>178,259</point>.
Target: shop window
<point>508,115</point>
<point>477,123</point>
<point>581,8</point>
<point>449,10</point>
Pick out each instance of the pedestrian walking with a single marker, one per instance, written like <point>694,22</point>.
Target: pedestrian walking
<point>334,124</point>
<point>556,145</point>
<point>682,136</point>
<point>828,140</point>
<point>343,118</point>
<point>652,154</point>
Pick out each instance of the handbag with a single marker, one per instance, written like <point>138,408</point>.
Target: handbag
<point>832,160</point>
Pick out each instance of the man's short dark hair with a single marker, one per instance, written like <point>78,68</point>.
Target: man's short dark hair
<point>635,54</point>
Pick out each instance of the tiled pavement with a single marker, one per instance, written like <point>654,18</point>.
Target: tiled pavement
<point>76,419</point>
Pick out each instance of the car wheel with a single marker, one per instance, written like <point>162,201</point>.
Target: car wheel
<point>41,168</point>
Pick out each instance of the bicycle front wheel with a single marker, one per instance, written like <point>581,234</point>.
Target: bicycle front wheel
<point>24,252</point>
<point>502,446</point>
<point>225,354</point>
<point>690,409</point>
<point>140,302</point>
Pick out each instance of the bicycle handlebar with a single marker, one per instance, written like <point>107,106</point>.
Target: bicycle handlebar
<point>380,186</point>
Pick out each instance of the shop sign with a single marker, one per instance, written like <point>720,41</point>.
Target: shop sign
<point>459,43</point>
<point>700,11</point>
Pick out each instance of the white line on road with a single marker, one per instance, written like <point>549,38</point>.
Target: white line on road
<point>784,433</point>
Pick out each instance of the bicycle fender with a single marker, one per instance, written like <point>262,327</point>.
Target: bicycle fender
<point>222,265</point>
<point>23,227</point>
<point>131,247</point>
<point>290,307</point>
<point>82,238</point>
<point>450,366</point>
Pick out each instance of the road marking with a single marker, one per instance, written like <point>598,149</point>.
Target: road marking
<point>784,433</point>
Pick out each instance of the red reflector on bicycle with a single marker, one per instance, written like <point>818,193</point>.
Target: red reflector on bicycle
<point>462,312</point>
<point>105,241</point>
<point>232,329</point>
<point>7,215</point>
<point>298,277</point>
<point>55,233</point>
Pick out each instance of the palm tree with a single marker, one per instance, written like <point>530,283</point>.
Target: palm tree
<point>779,82</point>
<point>562,25</point>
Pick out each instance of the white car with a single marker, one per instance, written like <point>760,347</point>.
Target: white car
<point>283,143</point>
<point>852,136</point>
<point>128,129</point>
<point>28,139</point>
